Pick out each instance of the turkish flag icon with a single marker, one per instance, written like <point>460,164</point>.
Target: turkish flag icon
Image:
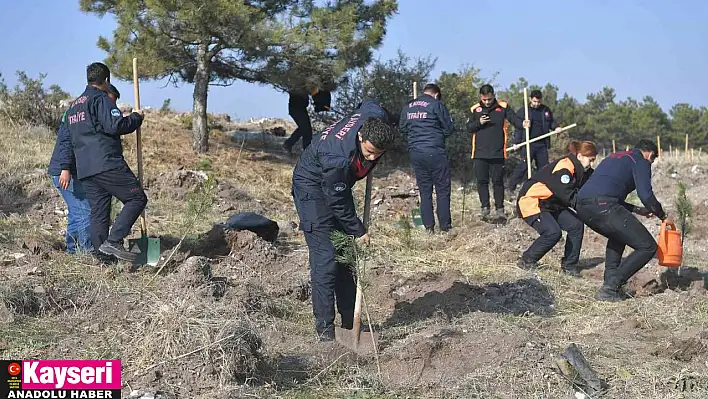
<point>14,369</point>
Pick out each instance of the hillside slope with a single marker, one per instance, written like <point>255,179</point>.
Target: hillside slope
<point>230,314</point>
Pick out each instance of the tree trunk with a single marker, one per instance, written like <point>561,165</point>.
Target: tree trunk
<point>200,132</point>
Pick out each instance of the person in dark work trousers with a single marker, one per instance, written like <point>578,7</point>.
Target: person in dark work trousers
<point>544,201</point>
<point>96,125</point>
<point>488,124</point>
<point>62,169</point>
<point>542,122</point>
<point>323,179</point>
<point>601,206</point>
<point>297,108</point>
<point>427,122</point>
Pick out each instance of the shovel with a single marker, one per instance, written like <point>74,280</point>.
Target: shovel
<point>149,247</point>
<point>353,338</point>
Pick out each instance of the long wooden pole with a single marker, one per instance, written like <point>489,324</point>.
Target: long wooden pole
<point>138,138</point>
<point>359,290</point>
<point>685,153</point>
<point>535,139</point>
<point>614,147</point>
<point>415,89</point>
<point>658,145</point>
<point>528,133</point>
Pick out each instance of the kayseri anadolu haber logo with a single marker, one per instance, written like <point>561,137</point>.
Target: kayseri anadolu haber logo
<point>71,374</point>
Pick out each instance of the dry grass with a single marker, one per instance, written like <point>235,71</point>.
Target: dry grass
<point>25,148</point>
<point>177,329</point>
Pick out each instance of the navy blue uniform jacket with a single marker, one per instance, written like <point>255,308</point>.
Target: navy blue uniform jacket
<point>331,166</point>
<point>95,124</point>
<point>63,154</point>
<point>489,140</point>
<point>427,122</point>
<point>618,175</point>
<point>542,122</point>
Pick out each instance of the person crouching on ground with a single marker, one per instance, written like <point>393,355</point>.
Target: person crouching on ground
<point>96,126</point>
<point>323,179</point>
<point>601,205</point>
<point>62,169</point>
<point>544,201</point>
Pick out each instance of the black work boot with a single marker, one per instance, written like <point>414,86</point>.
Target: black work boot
<point>484,213</point>
<point>116,249</point>
<point>571,270</point>
<point>527,264</point>
<point>430,230</point>
<point>611,293</point>
<point>326,335</point>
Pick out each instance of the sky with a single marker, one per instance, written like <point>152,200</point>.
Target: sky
<point>637,47</point>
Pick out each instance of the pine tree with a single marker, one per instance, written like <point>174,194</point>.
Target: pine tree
<point>292,45</point>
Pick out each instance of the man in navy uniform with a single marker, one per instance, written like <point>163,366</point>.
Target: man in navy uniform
<point>323,178</point>
<point>96,125</point>
<point>62,168</point>
<point>427,122</point>
<point>601,205</point>
<point>488,125</point>
<point>542,122</point>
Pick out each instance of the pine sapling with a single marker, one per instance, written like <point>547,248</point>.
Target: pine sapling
<point>199,202</point>
<point>684,210</point>
<point>406,229</point>
<point>350,254</point>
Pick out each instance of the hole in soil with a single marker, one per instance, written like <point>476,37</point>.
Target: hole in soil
<point>454,298</point>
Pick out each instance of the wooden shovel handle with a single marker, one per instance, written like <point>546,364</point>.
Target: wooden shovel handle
<point>138,137</point>
<point>359,292</point>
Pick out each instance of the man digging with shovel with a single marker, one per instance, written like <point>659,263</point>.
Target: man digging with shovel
<point>322,191</point>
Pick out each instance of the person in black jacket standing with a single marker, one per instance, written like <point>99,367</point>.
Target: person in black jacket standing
<point>96,125</point>
<point>62,169</point>
<point>488,125</point>
<point>427,122</point>
<point>542,122</point>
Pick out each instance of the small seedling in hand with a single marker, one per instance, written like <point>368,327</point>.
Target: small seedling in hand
<point>350,254</point>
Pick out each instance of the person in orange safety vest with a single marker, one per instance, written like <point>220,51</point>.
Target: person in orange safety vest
<point>544,203</point>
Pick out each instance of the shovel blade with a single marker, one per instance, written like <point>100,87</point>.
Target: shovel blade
<point>367,344</point>
<point>149,248</point>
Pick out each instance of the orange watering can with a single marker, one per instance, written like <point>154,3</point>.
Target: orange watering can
<point>670,247</point>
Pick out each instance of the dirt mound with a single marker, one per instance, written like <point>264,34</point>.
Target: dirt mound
<point>177,185</point>
<point>655,280</point>
<point>685,348</point>
<point>242,245</point>
<point>447,296</point>
<point>444,357</point>
<point>45,296</point>
<point>243,263</point>
<point>395,195</point>
<point>234,357</point>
